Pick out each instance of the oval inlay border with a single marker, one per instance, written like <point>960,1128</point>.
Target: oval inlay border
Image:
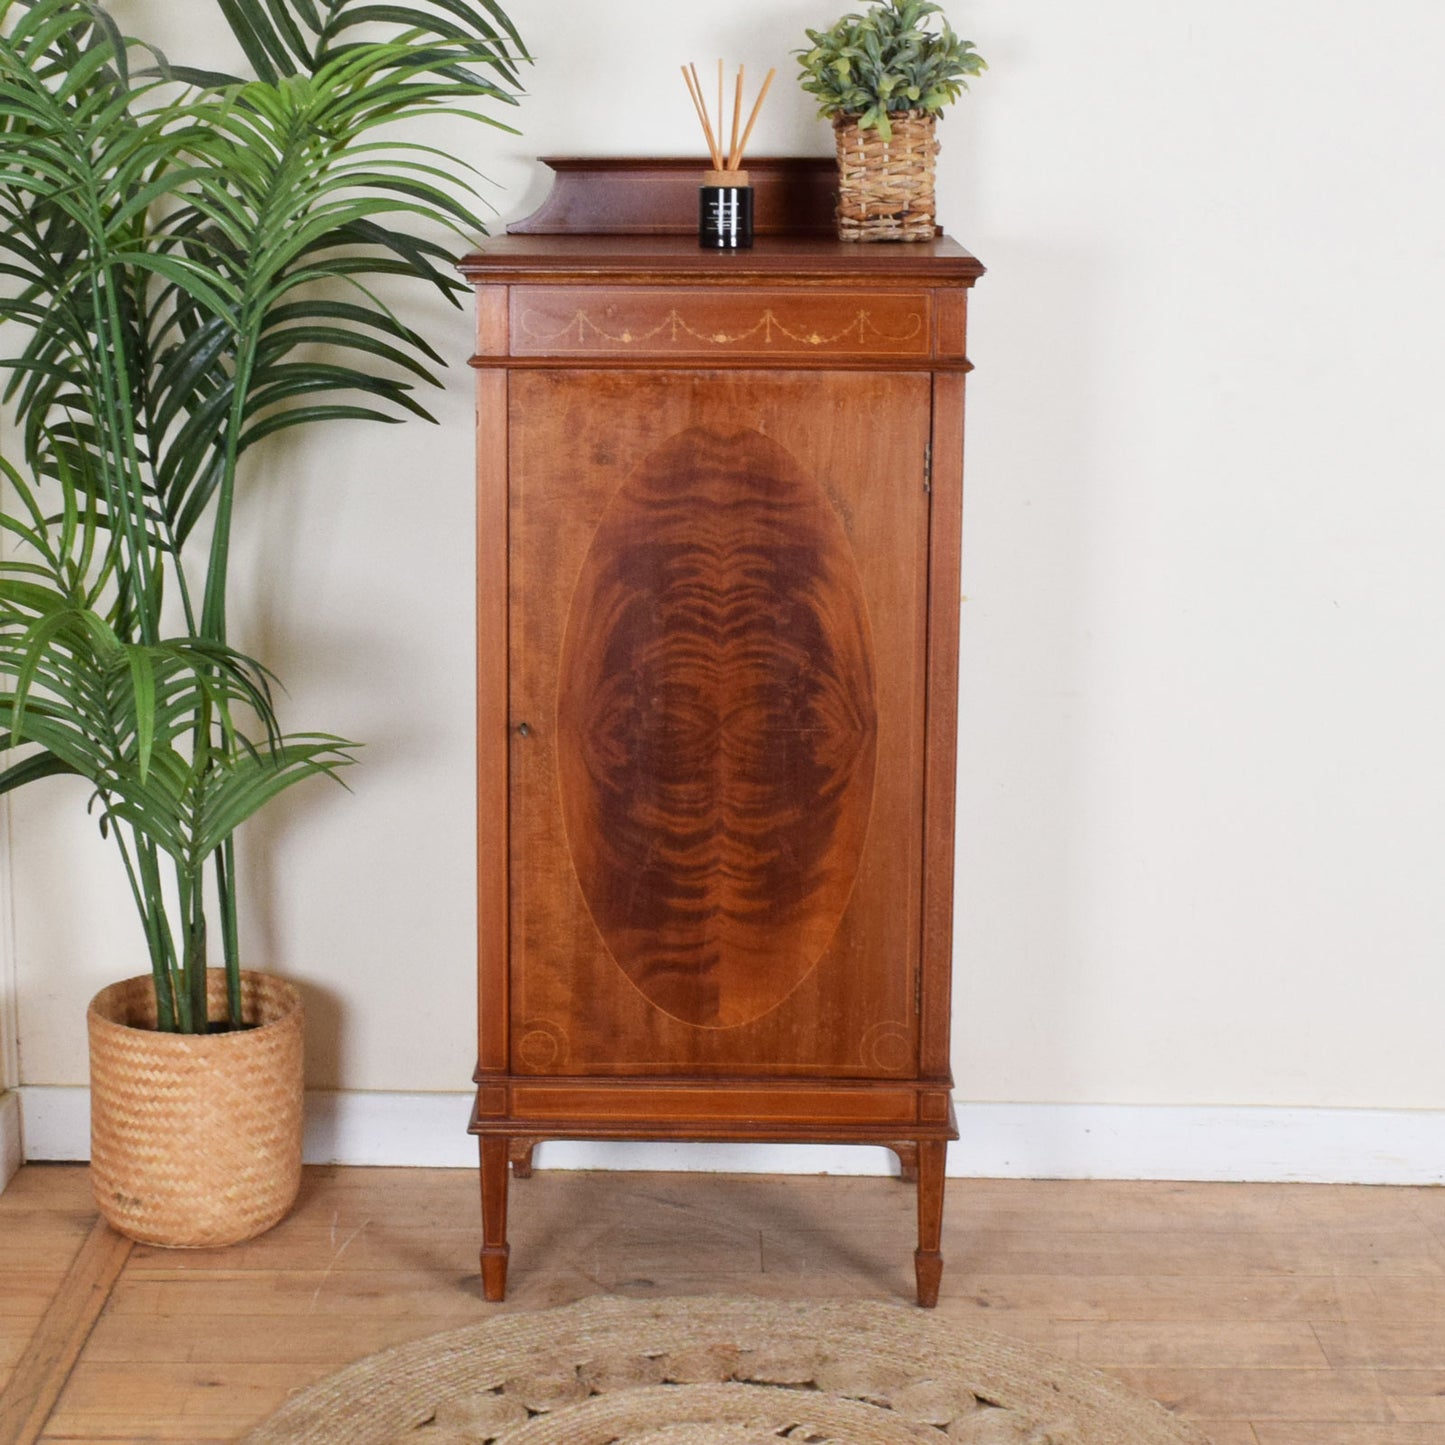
<point>717,726</point>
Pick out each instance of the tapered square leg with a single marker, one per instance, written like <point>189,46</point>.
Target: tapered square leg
<point>495,1249</point>
<point>521,1150</point>
<point>928,1258</point>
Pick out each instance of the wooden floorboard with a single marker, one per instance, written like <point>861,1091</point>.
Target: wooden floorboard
<point>45,1216</point>
<point>1268,1314</point>
<point>43,1368</point>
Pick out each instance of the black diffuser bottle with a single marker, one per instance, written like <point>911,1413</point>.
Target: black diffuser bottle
<point>725,211</point>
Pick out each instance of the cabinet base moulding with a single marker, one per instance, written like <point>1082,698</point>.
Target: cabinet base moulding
<point>679,1109</point>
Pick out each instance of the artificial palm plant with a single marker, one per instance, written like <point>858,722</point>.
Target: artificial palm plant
<point>190,264</point>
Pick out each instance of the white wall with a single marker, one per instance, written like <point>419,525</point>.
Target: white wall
<point>1202,794</point>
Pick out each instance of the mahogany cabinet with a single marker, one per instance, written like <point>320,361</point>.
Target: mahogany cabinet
<point>718,555</point>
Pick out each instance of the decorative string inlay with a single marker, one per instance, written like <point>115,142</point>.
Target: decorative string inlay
<point>716,714</point>
<point>584,329</point>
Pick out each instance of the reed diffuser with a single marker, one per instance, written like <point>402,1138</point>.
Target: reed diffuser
<point>725,200</point>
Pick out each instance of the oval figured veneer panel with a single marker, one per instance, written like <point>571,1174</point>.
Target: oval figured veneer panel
<point>717,726</point>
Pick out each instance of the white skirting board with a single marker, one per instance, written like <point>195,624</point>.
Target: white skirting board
<point>999,1141</point>
<point>11,1152</point>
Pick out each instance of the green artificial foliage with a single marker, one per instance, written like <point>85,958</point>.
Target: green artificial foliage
<point>884,61</point>
<point>188,264</point>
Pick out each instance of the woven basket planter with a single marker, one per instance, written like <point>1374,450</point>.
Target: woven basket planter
<point>195,1138</point>
<point>885,187</point>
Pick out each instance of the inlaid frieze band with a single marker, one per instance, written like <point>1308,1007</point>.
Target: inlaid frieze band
<point>565,320</point>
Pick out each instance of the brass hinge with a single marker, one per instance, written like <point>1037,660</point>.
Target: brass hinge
<point>928,467</point>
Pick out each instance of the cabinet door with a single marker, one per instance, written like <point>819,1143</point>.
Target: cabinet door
<point>717,587</point>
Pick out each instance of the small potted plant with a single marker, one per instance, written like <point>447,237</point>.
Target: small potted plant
<point>883,77</point>
<point>191,261</point>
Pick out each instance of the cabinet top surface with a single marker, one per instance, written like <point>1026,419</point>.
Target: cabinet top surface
<point>816,259</point>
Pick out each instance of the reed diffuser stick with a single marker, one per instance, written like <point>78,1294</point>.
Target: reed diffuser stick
<point>737,116</point>
<point>753,118</point>
<point>695,91</point>
<point>713,144</point>
<point>730,163</point>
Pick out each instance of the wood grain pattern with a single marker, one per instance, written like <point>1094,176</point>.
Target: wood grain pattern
<point>45,1217</point>
<point>495,1159</point>
<point>493,731</point>
<point>717,726</point>
<point>950,324</point>
<point>41,1372</point>
<point>493,321</point>
<point>705,803</point>
<point>941,746</point>
<point>725,1107</point>
<point>928,1257</point>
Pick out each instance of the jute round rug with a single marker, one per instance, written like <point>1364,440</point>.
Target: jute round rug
<point>705,1371</point>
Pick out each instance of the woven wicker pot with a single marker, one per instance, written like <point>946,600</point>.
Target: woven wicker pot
<point>885,187</point>
<point>195,1138</point>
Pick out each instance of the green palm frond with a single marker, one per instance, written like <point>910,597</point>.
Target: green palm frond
<point>287,37</point>
<point>124,716</point>
<point>153,730</point>
<point>192,262</point>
